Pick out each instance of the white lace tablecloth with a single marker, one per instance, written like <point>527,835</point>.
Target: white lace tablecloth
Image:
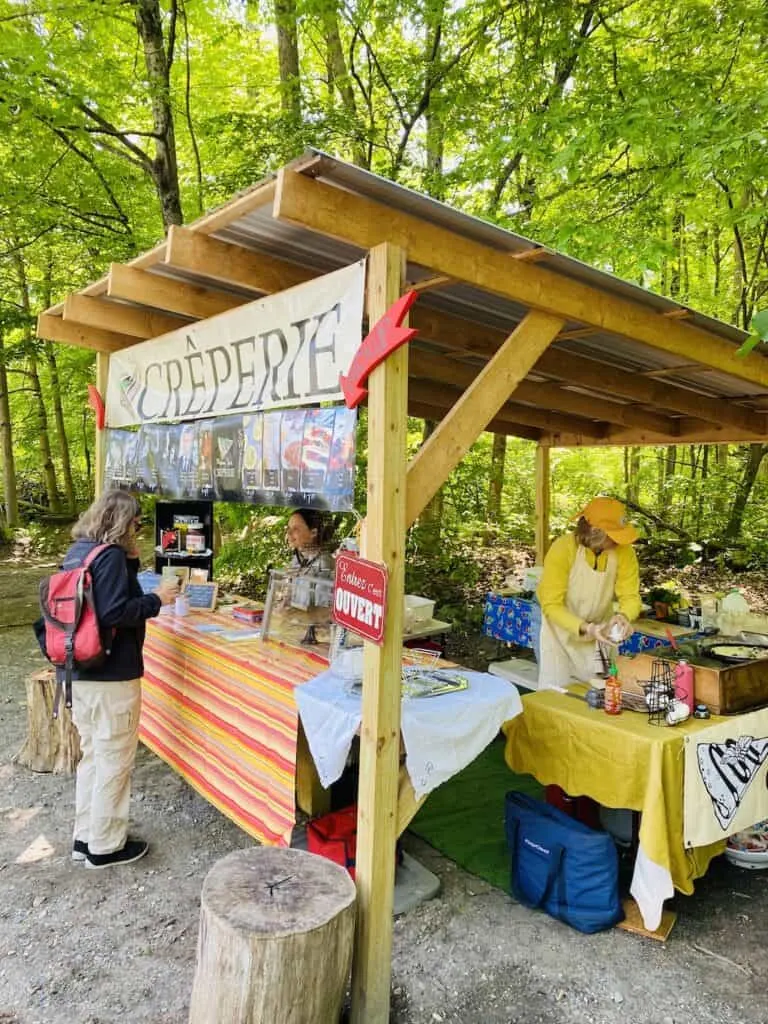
<point>441,735</point>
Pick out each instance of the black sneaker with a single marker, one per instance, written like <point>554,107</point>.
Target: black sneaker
<point>133,850</point>
<point>79,851</point>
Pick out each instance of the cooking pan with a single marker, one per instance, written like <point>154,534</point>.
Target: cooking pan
<point>732,650</point>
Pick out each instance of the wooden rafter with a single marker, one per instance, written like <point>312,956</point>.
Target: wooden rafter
<point>119,318</point>
<point>53,328</point>
<point>159,292</point>
<point>545,396</point>
<point>475,408</point>
<point>231,264</point>
<point>427,411</point>
<point>364,222</point>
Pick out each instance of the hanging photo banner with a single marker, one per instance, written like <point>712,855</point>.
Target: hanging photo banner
<point>295,457</point>
<point>289,349</point>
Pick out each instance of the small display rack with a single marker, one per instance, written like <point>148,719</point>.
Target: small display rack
<point>659,691</point>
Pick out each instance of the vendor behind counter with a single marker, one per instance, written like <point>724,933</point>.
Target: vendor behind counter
<point>310,536</point>
<point>585,572</point>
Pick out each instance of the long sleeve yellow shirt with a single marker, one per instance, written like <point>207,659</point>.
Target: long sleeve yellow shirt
<point>553,585</point>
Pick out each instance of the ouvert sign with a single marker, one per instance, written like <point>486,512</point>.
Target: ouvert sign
<point>360,596</point>
<point>288,349</point>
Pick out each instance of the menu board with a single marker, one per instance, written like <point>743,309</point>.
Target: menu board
<point>296,457</point>
<point>201,595</point>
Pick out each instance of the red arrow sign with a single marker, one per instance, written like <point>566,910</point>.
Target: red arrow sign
<point>96,402</point>
<point>385,336</point>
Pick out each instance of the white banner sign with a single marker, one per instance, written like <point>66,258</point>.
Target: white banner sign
<point>725,778</point>
<point>284,350</point>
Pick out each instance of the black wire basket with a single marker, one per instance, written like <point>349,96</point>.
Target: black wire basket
<point>659,691</point>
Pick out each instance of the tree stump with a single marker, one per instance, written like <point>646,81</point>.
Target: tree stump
<point>52,744</point>
<point>275,940</point>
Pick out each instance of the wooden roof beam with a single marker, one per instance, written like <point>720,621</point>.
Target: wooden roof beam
<point>231,264</point>
<point>647,391</point>
<point>119,318</point>
<point>364,222</point>
<point>53,328</point>
<point>163,293</point>
<point>547,396</point>
<point>464,336</point>
<point>425,411</point>
<point>618,436</point>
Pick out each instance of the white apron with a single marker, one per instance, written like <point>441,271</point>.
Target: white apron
<point>590,596</point>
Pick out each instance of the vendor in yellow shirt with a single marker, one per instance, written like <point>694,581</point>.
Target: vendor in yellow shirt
<point>584,573</point>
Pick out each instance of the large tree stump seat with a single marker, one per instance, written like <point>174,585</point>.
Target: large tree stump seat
<point>275,940</point>
<point>52,744</point>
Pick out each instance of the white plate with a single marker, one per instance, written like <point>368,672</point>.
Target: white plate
<point>754,860</point>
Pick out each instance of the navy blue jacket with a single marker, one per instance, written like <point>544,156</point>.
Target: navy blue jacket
<point>120,604</point>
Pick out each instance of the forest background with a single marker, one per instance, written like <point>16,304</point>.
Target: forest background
<point>630,134</point>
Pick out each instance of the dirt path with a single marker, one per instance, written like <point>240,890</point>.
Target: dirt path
<point>81,947</point>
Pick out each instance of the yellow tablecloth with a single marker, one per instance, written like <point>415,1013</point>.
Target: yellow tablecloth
<point>618,760</point>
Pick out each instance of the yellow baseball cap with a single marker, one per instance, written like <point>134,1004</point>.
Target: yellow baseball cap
<point>610,515</point>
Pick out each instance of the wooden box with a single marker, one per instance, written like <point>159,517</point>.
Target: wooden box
<point>725,689</point>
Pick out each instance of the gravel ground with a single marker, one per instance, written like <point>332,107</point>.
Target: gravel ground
<point>95,948</point>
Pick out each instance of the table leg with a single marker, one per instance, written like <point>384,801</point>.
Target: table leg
<point>310,795</point>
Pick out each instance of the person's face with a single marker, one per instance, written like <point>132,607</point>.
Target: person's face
<point>298,535</point>
<point>598,540</point>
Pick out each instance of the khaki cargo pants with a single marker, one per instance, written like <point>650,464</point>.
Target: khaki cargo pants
<point>107,717</point>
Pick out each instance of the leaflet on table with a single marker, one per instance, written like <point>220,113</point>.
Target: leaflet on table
<point>294,457</point>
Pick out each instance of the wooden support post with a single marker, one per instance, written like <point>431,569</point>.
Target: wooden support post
<point>102,375</point>
<point>476,408</point>
<point>380,730</point>
<point>542,502</point>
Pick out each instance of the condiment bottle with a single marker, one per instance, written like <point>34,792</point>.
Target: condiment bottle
<point>684,685</point>
<point>613,692</point>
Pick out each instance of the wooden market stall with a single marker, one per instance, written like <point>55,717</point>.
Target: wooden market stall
<point>513,337</point>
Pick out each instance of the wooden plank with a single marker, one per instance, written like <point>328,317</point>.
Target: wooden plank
<point>477,406</point>
<point>53,328</point>
<point>542,482</point>
<point>380,729</point>
<point>310,795</point>
<point>542,419</point>
<point>102,376</point>
<point>426,411</point>
<point>220,261</point>
<point>547,396</point>
<point>407,801</point>
<point>146,289</point>
<point>119,318</point>
<point>364,222</point>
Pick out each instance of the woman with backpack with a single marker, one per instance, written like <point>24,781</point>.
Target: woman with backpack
<point>106,698</point>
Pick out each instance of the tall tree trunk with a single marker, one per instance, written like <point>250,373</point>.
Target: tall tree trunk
<point>61,433</point>
<point>158,61</point>
<point>47,466</point>
<point>755,456</point>
<point>288,61</point>
<point>340,79</point>
<point>433,17</point>
<point>58,409</point>
<point>496,481</point>
<point>632,473</point>
<point>6,446</point>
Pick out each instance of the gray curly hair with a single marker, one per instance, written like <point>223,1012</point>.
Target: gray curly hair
<point>109,519</point>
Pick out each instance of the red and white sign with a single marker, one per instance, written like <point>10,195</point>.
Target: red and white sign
<point>360,596</point>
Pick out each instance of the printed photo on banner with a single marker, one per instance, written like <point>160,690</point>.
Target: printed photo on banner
<point>282,351</point>
<point>295,457</point>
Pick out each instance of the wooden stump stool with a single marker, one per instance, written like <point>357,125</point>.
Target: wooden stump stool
<point>52,744</point>
<point>275,940</point>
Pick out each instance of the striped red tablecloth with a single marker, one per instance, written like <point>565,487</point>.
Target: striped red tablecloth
<point>222,714</point>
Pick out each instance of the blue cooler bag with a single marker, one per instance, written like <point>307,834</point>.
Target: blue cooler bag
<point>561,865</point>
